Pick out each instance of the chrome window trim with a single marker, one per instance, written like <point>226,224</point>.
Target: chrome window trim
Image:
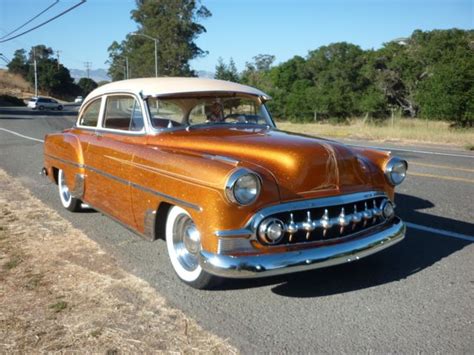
<point>84,107</point>
<point>100,126</point>
<point>156,131</point>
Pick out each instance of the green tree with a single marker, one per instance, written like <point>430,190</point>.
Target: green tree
<point>19,63</point>
<point>175,23</point>
<point>53,78</point>
<point>336,74</point>
<point>86,85</point>
<point>226,71</point>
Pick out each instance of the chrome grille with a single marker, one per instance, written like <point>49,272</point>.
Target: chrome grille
<point>329,223</point>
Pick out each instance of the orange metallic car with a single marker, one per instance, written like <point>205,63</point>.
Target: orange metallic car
<point>201,164</point>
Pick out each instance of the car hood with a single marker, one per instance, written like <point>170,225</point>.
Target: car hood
<point>302,166</point>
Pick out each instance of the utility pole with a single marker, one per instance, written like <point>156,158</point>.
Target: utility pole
<point>88,68</point>
<point>36,72</point>
<point>126,66</point>
<point>156,48</point>
<point>57,54</point>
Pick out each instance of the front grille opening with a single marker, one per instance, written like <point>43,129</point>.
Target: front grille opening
<point>351,213</point>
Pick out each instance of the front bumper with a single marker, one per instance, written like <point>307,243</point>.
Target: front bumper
<point>254,266</point>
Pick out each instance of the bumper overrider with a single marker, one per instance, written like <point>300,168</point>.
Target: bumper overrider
<point>348,249</point>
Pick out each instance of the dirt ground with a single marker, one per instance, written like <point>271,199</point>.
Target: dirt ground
<point>60,292</point>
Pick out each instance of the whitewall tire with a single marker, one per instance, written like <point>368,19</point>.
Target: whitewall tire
<point>70,203</point>
<point>183,242</point>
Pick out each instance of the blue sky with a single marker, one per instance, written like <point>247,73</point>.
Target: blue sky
<point>239,29</point>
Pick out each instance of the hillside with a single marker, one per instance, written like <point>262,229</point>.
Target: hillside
<point>14,85</point>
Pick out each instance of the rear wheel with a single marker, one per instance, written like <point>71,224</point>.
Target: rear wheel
<point>183,241</point>
<point>60,108</point>
<point>70,203</point>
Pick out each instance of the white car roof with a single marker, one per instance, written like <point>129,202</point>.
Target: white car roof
<point>174,86</point>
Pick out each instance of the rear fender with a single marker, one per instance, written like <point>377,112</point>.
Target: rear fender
<point>64,151</point>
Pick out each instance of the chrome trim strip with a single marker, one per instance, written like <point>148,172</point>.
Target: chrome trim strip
<point>149,224</point>
<point>77,165</point>
<point>78,191</point>
<point>222,158</point>
<point>132,184</point>
<point>233,233</point>
<point>252,266</point>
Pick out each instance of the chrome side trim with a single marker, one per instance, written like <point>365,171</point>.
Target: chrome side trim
<point>149,224</point>
<point>233,233</point>
<point>222,158</point>
<point>78,191</point>
<point>132,184</point>
<point>252,266</point>
<point>77,165</point>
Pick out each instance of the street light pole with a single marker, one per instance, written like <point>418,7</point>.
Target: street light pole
<point>156,57</point>
<point>156,48</point>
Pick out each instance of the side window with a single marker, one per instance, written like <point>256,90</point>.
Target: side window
<point>124,113</point>
<point>90,115</point>
<point>198,114</point>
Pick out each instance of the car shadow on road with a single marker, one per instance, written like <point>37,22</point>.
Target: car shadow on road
<point>418,251</point>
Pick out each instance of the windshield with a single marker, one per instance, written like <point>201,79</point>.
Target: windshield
<point>207,110</point>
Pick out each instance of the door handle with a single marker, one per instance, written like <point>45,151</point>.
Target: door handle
<point>98,134</point>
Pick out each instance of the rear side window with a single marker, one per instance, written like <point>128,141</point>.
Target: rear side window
<point>90,116</point>
<point>124,113</point>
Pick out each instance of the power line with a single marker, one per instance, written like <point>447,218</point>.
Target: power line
<point>45,22</point>
<point>30,20</point>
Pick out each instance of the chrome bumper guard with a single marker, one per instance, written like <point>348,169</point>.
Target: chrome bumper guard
<point>254,266</point>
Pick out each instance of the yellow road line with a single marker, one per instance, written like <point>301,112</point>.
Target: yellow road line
<point>441,166</point>
<point>452,178</point>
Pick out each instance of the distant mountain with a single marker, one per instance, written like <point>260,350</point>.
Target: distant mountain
<point>95,74</point>
<point>205,74</point>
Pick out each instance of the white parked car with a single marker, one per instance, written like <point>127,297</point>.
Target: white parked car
<point>78,100</point>
<point>42,103</point>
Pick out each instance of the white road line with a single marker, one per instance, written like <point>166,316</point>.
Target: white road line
<point>22,136</point>
<point>413,151</point>
<point>440,232</point>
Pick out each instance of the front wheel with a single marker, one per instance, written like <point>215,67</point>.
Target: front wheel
<point>60,108</point>
<point>183,241</point>
<point>70,203</point>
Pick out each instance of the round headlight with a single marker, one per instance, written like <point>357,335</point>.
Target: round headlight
<point>396,170</point>
<point>242,187</point>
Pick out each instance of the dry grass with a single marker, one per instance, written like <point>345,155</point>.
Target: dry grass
<point>402,130</point>
<point>14,85</point>
<point>60,292</point>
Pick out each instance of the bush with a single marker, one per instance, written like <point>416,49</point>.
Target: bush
<point>7,100</point>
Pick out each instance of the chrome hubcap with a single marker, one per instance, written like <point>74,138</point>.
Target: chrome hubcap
<point>186,242</point>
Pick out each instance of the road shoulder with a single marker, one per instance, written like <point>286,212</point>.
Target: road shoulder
<point>60,291</point>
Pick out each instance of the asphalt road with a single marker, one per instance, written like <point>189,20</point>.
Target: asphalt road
<point>416,296</point>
